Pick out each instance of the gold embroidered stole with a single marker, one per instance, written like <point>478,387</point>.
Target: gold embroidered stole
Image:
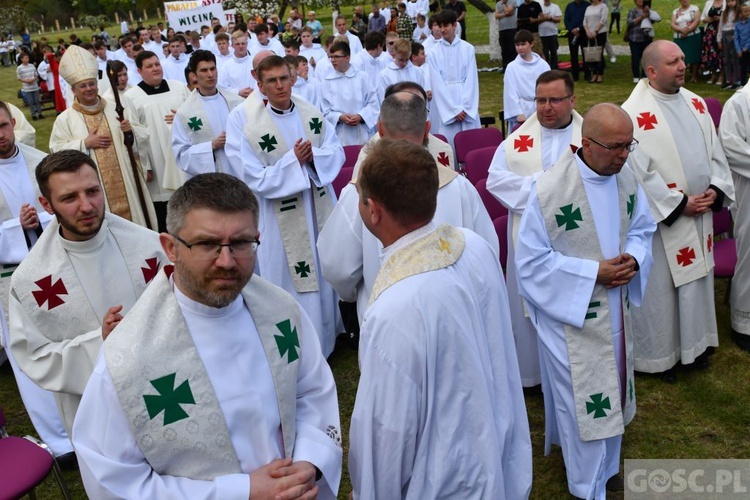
<point>110,170</point>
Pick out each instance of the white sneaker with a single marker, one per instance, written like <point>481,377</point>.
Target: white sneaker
<point>636,80</point>
<point>613,59</point>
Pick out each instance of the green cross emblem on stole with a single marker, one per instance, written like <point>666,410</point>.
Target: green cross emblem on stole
<point>169,399</point>
<point>195,123</point>
<point>316,125</point>
<point>302,269</point>
<point>597,405</point>
<point>287,342</point>
<point>631,205</point>
<point>569,217</point>
<point>268,143</point>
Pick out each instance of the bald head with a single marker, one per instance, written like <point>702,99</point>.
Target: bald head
<point>403,115</point>
<point>664,64</point>
<point>606,135</point>
<point>260,56</point>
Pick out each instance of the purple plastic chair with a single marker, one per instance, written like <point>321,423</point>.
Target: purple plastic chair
<point>24,465</point>
<point>494,208</point>
<point>477,164</point>
<point>501,228</point>
<point>351,154</point>
<point>714,109</point>
<point>441,137</point>
<point>725,249</point>
<point>469,140</point>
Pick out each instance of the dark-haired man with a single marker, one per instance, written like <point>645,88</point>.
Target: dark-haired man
<point>288,154</point>
<point>439,302</point>
<point>84,273</point>
<point>199,127</point>
<point>154,103</point>
<point>521,158</point>
<point>254,412</point>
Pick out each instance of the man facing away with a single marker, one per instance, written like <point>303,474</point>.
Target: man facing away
<point>685,175</point>
<point>83,275</point>
<point>421,428</point>
<point>198,130</point>
<point>287,153</point>
<point>349,253</point>
<point>250,412</point>
<point>583,257</point>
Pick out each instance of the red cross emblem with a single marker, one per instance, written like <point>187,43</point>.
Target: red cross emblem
<point>673,185</point>
<point>152,267</point>
<point>698,105</point>
<point>443,159</point>
<point>647,121</point>
<point>49,293</point>
<point>523,143</point>
<point>685,256</point>
<point>710,243</point>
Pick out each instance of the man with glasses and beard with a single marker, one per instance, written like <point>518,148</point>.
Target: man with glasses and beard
<point>229,395</point>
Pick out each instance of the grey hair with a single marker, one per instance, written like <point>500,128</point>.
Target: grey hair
<point>403,113</point>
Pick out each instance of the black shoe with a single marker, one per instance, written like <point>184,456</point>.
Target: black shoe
<point>33,118</point>
<point>532,391</point>
<point>742,341</point>
<point>668,376</point>
<point>615,483</point>
<point>40,116</point>
<point>68,461</point>
<point>702,362</point>
<point>727,86</point>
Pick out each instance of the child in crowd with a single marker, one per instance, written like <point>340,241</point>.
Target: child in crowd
<point>742,41</point>
<point>732,77</point>
<point>519,82</point>
<point>29,78</point>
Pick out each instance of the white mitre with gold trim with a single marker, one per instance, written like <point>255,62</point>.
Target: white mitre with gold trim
<point>78,64</point>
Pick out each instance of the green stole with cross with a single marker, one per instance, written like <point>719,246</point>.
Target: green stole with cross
<point>689,253</point>
<point>570,224</point>
<point>196,124</point>
<point>269,146</point>
<point>169,400</point>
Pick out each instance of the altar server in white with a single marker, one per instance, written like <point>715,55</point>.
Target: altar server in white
<point>350,255</point>
<point>350,100</point>
<point>83,275</point>
<point>519,81</point>
<point>199,127</point>
<point>287,153</point>
<point>684,172</point>
<point>373,59</point>
<point>248,413</point>
<point>400,69</point>
<point>453,75</point>
<point>235,72</point>
<point>735,139</point>
<point>355,45</point>
<point>422,428</point>
<point>583,258</point>
<point>552,130</point>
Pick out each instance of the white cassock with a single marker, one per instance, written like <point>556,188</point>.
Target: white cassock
<point>512,190</point>
<point>315,52</point>
<point>235,74</point>
<point>677,324</point>
<point>421,427</point>
<point>17,188</point>
<point>111,462</point>
<point>558,289</point>
<point>355,45</point>
<point>350,254</point>
<point>273,45</point>
<point>519,86</point>
<point>309,90</point>
<point>429,43</point>
<point>455,86</point>
<point>735,137</point>
<point>287,178</point>
<point>149,111</point>
<point>352,93</point>
<point>221,59</point>
<point>201,158</point>
<point>372,66</point>
<point>70,131</point>
<point>174,69</point>
<point>157,48</point>
<point>393,74</point>
<point>64,366</point>
<point>134,78</point>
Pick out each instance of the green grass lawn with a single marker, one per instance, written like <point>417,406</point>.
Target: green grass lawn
<point>703,415</point>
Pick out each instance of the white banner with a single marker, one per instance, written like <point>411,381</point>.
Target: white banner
<point>192,14</point>
<point>228,16</point>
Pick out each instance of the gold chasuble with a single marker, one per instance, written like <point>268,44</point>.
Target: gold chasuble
<point>106,158</point>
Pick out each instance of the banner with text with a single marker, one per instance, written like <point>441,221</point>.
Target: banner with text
<point>192,14</point>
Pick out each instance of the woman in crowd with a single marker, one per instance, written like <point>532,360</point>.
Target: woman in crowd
<point>710,53</point>
<point>639,33</point>
<point>685,21</point>
<point>595,24</point>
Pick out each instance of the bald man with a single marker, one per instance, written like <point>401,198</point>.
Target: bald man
<point>685,175</point>
<point>587,231</point>
<point>349,253</point>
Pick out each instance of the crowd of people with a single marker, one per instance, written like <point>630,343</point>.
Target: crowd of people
<point>178,265</point>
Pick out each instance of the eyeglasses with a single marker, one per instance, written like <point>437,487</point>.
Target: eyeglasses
<point>335,57</point>
<point>616,149</point>
<point>554,101</point>
<point>209,250</point>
